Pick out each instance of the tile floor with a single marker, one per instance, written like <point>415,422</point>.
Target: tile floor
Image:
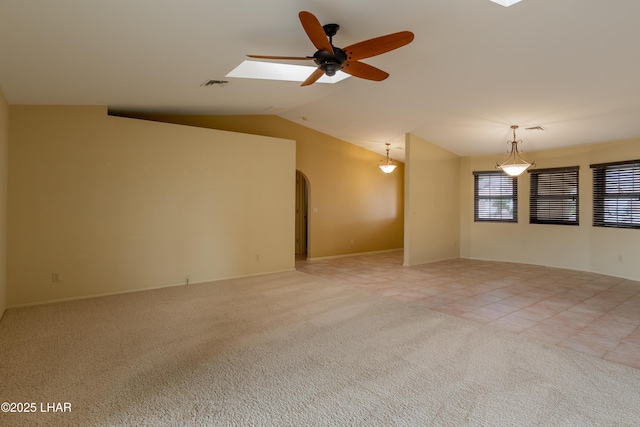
<point>587,312</point>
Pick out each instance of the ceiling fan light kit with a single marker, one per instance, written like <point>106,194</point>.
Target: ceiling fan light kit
<point>330,59</point>
<point>515,164</point>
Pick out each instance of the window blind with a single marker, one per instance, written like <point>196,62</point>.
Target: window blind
<point>554,196</point>
<point>495,197</point>
<point>616,194</point>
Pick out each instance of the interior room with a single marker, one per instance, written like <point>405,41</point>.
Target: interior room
<point>305,213</point>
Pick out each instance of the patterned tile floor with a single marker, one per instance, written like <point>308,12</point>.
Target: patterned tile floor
<point>587,312</point>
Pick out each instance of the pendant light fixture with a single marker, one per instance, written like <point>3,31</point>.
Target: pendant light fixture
<point>387,165</point>
<point>515,164</point>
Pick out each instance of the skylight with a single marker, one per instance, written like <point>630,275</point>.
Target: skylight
<point>276,71</point>
<point>506,3</point>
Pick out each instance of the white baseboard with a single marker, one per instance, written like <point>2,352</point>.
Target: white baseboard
<point>151,288</point>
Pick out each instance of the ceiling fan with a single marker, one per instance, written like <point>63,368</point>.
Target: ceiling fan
<point>330,59</point>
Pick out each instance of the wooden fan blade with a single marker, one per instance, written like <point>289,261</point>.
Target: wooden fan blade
<point>281,57</point>
<point>364,71</point>
<point>378,45</point>
<point>313,77</point>
<point>315,31</point>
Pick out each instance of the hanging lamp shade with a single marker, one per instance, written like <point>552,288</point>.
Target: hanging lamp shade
<point>387,165</point>
<point>515,164</point>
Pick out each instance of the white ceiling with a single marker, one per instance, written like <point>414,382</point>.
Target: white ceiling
<point>474,68</point>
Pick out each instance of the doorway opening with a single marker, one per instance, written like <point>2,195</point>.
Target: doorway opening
<point>302,210</point>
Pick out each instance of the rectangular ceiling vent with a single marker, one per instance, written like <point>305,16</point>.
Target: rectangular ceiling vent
<point>215,83</point>
<point>535,128</point>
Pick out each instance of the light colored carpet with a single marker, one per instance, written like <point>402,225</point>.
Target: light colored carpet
<point>292,349</point>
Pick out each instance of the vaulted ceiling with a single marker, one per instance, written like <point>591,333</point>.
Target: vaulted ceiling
<point>474,69</point>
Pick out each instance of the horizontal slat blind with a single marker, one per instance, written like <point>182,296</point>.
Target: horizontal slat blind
<point>495,197</point>
<point>616,194</point>
<point>554,196</point>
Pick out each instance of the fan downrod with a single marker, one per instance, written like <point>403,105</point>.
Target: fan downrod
<point>330,63</point>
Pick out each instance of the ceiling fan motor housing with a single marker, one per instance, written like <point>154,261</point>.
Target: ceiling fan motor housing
<point>330,63</point>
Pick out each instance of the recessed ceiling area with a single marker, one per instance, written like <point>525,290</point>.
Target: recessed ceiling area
<point>276,71</point>
<point>473,69</point>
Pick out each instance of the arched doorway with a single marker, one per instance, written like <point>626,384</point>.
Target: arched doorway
<point>302,210</point>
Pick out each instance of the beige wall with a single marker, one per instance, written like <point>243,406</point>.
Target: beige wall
<point>582,247</point>
<point>432,203</point>
<point>4,146</point>
<point>357,207</point>
<point>115,204</point>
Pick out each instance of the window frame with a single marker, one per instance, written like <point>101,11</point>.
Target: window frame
<point>513,197</point>
<point>599,172</point>
<point>556,198</point>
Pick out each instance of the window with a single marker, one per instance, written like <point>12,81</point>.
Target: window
<point>495,197</point>
<point>616,194</point>
<point>554,196</point>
